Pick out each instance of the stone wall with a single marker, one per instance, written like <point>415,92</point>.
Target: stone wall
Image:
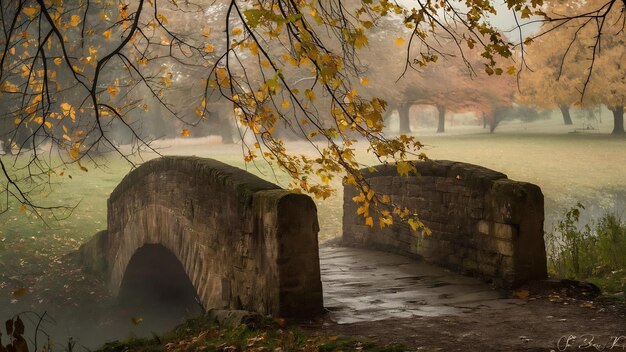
<point>482,223</point>
<point>243,242</point>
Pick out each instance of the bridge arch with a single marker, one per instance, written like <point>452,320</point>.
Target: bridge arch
<point>243,242</point>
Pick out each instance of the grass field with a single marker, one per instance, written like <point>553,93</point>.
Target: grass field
<point>569,167</point>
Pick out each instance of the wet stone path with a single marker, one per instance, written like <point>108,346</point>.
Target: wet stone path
<point>365,285</point>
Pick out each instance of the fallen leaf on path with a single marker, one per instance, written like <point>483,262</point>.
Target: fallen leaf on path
<point>20,292</point>
<point>521,294</point>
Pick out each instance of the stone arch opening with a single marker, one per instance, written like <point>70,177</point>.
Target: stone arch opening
<point>156,287</point>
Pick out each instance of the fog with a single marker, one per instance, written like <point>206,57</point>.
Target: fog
<point>538,118</point>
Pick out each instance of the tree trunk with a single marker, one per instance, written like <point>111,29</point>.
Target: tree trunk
<point>496,118</point>
<point>567,118</point>
<point>484,120</point>
<point>441,126</point>
<point>403,112</point>
<point>227,133</point>
<point>618,120</point>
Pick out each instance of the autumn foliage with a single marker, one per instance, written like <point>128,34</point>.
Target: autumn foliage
<point>571,65</point>
<point>72,73</point>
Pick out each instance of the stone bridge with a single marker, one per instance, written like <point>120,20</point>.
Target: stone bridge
<point>482,223</point>
<point>244,243</point>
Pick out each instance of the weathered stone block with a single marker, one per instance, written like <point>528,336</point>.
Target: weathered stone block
<point>498,230</point>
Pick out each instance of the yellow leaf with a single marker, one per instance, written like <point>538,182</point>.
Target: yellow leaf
<point>254,49</point>
<point>359,198</point>
<point>17,121</point>
<point>364,81</point>
<point>209,48</point>
<point>58,61</point>
<point>310,94</point>
<point>206,31</point>
<point>25,71</point>
<point>107,34</point>
<point>123,11</point>
<point>66,108</point>
<point>360,40</point>
<point>74,20</point>
<point>521,294</point>
<point>22,208</point>
<point>22,291</point>
<point>30,11</point>
<point>74,153</point>
<point>404,168</point>
<point>112,90</point>
<point>162,18</point>
<point>399,41</point>
<point>236,31</point>
<point>369,221</point>
<point>184,133</point>
<point>9,87</point>
<point>385,221</point>
<point>415,224</point>
<point>511,70</point>
<point>66,137</point>
<point>48,124</point>
<point>285,104</point>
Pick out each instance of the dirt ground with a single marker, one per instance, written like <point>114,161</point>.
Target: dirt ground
<point>539,325</point>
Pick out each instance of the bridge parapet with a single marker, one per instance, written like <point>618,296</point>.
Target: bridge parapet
<point>243,242</point>
<point>482,223</point>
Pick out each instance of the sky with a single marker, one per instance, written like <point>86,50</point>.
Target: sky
<point>504,20</point>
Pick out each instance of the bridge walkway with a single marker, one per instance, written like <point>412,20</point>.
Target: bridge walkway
<point>367,285</point>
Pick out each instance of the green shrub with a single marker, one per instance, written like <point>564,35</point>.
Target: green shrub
<point>595,252</point>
